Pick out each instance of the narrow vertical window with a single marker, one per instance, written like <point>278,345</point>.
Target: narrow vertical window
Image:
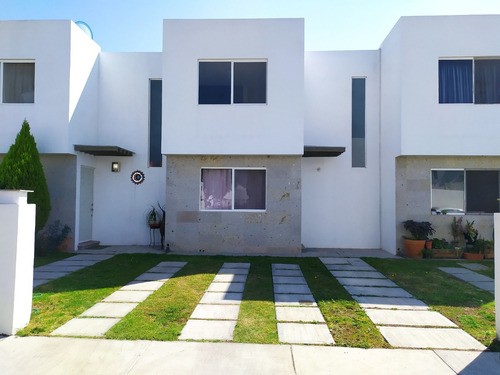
<point>155,89</point>
<point>358,122</point>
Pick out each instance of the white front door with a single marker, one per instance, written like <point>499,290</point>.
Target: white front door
<point>86,203</point>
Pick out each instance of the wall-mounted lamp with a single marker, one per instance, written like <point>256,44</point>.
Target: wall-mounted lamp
<point>115,166</point>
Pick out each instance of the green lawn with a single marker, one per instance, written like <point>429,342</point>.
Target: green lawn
<point>163,315</point>
<point>472,309</point>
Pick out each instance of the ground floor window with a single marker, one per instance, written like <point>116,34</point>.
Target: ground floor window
<point>460,191</point>
<point>233,189</point>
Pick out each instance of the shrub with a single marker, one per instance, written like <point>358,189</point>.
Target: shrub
<point>420,230</point>
<point>21,169</point>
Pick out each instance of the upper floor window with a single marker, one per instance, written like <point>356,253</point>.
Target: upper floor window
<point>469,81</point>
<point>228,82</point>
<point>18,82</point>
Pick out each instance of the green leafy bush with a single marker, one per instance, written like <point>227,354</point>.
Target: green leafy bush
<point>21,169</point>
<point>50,239</point>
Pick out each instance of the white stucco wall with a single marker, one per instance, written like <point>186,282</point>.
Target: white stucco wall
<point>120,205</point>
<point>83,89</point>
<point>430,128</point>
<point>47,43</point>
<point>272,128</point>
<point>340,204</point>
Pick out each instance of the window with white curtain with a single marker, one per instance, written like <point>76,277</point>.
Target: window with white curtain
<point>233,189</point>
<point>18,82</point>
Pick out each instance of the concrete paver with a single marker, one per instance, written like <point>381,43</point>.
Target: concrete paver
<point>38,275</point>
<point>298,314</point>
<point>366,282</point>
<point>229,278</point>
<point>285,266</point>
<point>454,270</point>
<point>334,260</point>
<point>128,296</point>
<point>324,360</point>
<point>226,287</point>
<point>471,363</point>
<point>281,272</point>
<point>208,330</point>
<point>358,274</point>
<point>377,291</point>
<point>409,318</point>
<point>110,310</point>
<point>474,266</point>
<point>85,327</point>
<point>216,312</point>
<point>59,268</point>
<point>349,267</point>
<point>294,300</point>
<point>485,285</point>
<point>390,303</point>
<point>163,269</point>
<point>171,263</point>
<point>143,285</point>
<point>291,289</point>
<point>234,271</point>
<point>38,282</point>
<point>437,338</point>
<point>304,333</point>
<point>473,277</point>
<point>71,262</point>
<point>288,280</point>
<point>155,276</point>
<point>222,298</point>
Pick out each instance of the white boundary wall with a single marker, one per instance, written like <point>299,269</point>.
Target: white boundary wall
<point>497,272</point>
<point>17,239</point>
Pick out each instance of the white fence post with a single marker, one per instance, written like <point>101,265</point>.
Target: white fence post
<point>17,245</point>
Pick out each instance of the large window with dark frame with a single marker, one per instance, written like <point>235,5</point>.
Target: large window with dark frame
<point>18,82</point>
<point>232,82</point>
<point>233,189</point>
<point>465,191</point>
<point>474,80</point>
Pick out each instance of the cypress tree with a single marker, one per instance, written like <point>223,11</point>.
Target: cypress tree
<point>21,169</point>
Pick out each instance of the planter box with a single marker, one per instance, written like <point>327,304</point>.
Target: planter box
<point>489,254</point>
<point>446,254</point>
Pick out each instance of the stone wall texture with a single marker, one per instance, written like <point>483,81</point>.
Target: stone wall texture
<point>413,193</point>
<point>275,231</point>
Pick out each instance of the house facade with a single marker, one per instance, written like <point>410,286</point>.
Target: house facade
<point>253,145</point>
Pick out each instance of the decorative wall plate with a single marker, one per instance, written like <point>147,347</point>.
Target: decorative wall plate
<point>137,177</point>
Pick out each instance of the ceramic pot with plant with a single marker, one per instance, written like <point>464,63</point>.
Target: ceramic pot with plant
<point>477,250</point>
<point>153,218</point>
<point>420,232</point>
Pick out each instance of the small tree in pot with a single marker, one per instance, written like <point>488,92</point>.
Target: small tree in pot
<point>420,231</point>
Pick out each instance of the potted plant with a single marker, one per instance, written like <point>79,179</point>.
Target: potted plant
<point>420,232</point>
<point>153,218</point>
<point>476,251</point>
<point>470,233</point>
<point>456,231</point>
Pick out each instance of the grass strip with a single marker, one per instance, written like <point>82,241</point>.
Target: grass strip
<point>67,297</point>
<point>257,317</point>
<point>347,321</point>
<point>471,308</point>
<point>164,313</point>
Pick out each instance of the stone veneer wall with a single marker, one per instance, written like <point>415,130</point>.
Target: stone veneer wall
<point>275,231</point>
<point>413,193</point>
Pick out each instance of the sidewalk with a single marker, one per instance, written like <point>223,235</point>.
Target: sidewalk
<point>56,355</point>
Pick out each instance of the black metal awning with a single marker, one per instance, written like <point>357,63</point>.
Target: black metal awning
<point>322,151</point>
<point>103,150</point>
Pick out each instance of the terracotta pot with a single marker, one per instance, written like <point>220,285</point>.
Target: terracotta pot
<point>413,248</point>
<point>473,256</point>
<point>428,244</point>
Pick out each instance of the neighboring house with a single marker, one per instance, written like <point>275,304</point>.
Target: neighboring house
<point>254,145</point>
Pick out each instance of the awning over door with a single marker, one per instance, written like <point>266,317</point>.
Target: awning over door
<point>103,150</point>
<point>322,151</point>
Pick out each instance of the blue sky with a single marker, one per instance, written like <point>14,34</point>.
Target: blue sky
<point>136,25</point>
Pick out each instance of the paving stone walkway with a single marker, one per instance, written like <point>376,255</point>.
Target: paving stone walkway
<point>97,320</point>
<point>215,317</point>
<point>49,272</point>
<point>299,319</point>
<point>468,275</point>
<point>403,320</point>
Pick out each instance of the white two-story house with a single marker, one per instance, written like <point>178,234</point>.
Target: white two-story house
<point>253,145</point>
